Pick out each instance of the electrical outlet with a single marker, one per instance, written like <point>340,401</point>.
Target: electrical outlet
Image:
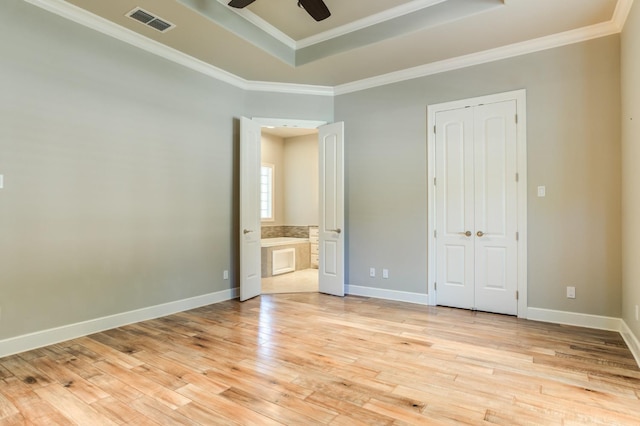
<point>225,275</point>
<point>571,292</point>
<point>372,272</point>
<point>542,191</point>
<point>385,273</point>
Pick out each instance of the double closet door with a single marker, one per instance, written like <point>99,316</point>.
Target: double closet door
<point>476,208</point>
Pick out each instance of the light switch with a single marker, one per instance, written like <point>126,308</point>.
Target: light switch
<point>542,191</point>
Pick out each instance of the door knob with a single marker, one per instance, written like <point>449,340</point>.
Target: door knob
<point>337,231</point>
<point>247,231</point>
<point>466,234</point>
<point>480,233</point>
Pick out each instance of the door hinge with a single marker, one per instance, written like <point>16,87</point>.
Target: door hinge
<point>517,295</point>
<point>435,286</point>
<point>434,130</point>
<point>435,234</point>
<point>517,177</point>
<point>516,118</point>
<point>434,181</point>
<point>517,236</point>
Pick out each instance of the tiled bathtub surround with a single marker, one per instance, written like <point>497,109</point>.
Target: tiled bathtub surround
<point>285,231</point>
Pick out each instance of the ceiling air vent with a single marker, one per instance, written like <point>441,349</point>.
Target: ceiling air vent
<point>150,20</point>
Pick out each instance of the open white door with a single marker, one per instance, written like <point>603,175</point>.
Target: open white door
<point>250,232</point>
<point>331,226</point>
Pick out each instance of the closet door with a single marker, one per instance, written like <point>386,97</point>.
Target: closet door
<point>476,208</point>
<point>495,166</point>
<point>455,208</point>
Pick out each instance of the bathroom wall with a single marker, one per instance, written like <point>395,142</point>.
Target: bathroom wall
<point>301,180</point>
<point>295,184</point>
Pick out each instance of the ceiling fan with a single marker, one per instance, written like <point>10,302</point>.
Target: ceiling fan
<point>316,8</point>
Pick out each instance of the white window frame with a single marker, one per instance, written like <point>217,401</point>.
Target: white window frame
<point>271,194</point>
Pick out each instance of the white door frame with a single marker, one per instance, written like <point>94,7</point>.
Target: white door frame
<point>311,125</point>
<point>520,97</point>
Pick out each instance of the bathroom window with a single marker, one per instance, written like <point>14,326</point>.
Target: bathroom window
<point>266,192</point>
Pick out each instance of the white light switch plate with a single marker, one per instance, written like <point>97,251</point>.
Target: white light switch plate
<point>1,181</point>
<point>542,191</point>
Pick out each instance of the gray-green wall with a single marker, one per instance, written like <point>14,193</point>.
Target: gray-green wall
<point>573,101</point>
<point>630,170</point>
<point>121,173</point>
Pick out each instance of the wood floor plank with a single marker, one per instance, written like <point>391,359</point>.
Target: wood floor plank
<point>71,406</point>
<point>316,359</point>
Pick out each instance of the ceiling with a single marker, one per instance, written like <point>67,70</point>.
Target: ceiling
<point>275,41</point>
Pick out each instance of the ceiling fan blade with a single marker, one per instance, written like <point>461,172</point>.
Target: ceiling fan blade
<point>316,8</point>
<point>240,3</point>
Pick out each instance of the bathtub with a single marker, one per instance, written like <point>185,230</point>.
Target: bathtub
<point>284,254</point>
<point>282,241</point>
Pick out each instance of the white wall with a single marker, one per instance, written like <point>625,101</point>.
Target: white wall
<point>301,180</point>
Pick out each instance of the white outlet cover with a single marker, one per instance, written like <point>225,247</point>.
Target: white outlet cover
<point>385,273</point>
<point>542,191</point>
<point>372,272</point>
<point>1,181</point>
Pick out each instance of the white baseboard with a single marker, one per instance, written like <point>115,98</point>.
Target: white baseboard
<point>39,339</point>
<point>631,340</point>
<point>379,293</point>
<point>589,321</point>
<point>573,318</point>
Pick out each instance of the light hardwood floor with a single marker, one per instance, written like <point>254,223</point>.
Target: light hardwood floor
<point>302,359</point>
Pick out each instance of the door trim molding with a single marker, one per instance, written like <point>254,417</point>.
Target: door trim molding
<point>520,96</point>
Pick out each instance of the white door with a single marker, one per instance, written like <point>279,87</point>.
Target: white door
<point>476,208</point>
<point>331,217</point>
<point>250,231</point>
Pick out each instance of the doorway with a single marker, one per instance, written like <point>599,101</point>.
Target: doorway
<point>477,204</point>
<point>289,209</point>
<point>330,207</point>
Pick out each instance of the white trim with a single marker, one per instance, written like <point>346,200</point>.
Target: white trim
<point>620,15</point>
<point>288,122</point>
<point>97,23</point>
<point>263,25</point>
<point>573,318</point>
<point>83,17</point>
<point>380,293</point>
<point>52,336</point>
<point>298,89</point>
<point>631,340</point>
<point>368,21</point>
<point>520,96</point>
<point>491,55</point>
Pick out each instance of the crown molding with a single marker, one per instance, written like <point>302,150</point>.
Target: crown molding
<point>620,15</point>
<point>95,22</point>
<point>87,19</point>
<point>263,25</point>
<point>504,52</point>
<point>299,89</point>
<point>369,21</point>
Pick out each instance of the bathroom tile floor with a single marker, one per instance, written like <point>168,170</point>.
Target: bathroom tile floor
<point>304,281</point>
